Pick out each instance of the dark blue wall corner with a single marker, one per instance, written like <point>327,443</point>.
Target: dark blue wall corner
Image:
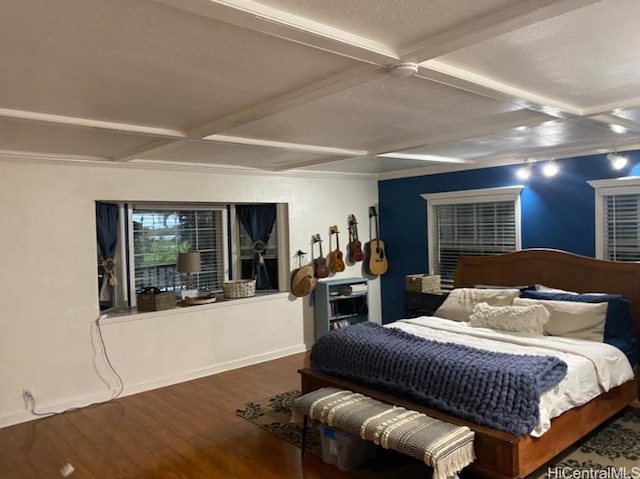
<point>557,212</point>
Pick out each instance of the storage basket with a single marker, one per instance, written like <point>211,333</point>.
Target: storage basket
<point>422,283</point>
<point>344,450</point>
<point>240,288</point>
<point>156,302</point>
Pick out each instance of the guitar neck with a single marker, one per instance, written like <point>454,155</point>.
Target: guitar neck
<point>374,214</point>
<point>353,229</point>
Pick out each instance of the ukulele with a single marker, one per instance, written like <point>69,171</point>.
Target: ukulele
<point>320,269</point>
<point>354,247</point>
<point>336,263</point>
<point>377,258</point>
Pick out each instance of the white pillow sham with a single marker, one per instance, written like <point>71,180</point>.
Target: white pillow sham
<point>522,319</point>
<point>460,303</point>
<point>572,319</point>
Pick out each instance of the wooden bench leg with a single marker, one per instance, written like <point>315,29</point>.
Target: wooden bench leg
<point>305,426</point>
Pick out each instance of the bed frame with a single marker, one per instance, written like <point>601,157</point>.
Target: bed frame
<point>500,455</point>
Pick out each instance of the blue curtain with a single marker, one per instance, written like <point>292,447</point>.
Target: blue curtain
<point>258,220</point>
<point>107,235</point>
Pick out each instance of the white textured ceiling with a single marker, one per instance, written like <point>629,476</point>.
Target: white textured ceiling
<point>281,85</point>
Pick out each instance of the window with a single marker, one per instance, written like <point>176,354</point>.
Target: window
<point>159,234</point>
<point>471,223</point>
<point>618,219</point>
<point>150,236</point>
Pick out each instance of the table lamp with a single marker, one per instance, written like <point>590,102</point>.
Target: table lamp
<point>189,262</point>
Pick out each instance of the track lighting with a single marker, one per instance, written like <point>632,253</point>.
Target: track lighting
<point>524,172</point>
<point>617,162</point>
<point>550,168</point>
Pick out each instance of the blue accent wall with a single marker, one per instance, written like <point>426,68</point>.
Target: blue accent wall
<point>557,212</point>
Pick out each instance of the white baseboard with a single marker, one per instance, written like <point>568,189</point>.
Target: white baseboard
<point>215,369</point>
<point>25,416</point>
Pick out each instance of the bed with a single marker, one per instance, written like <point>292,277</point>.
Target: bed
<point>502,455</point>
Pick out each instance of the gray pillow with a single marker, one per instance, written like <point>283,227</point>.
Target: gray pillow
<point>571,319</point>
<point>460,303</point>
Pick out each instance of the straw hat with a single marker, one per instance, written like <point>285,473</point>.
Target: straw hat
<point>303,281</point>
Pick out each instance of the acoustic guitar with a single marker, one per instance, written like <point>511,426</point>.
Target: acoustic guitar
<point>336,263</point>
<point>320,269</point>
<point>377,257</point>
<point>354,248</point>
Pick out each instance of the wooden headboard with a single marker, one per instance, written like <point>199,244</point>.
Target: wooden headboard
<point>556,269</point>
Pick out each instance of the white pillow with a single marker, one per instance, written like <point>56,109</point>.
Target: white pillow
<point>460,303</point>
<point>571,319</point>
<point>523,319</point>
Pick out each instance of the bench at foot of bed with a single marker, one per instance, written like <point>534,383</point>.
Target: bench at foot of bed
<point>445,447</point>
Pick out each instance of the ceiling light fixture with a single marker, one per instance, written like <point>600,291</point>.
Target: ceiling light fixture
<point>403,69</point>
<point>524,172</point>
<point>550,168</point>
<point>617,162</point>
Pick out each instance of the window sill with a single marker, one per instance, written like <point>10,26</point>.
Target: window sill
<point>121,315</point>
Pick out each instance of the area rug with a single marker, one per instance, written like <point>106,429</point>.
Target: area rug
<point>612,450</point>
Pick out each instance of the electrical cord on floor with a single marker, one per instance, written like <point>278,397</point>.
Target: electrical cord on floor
<point>30,400</point>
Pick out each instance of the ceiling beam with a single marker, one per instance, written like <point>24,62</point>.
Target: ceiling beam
<point>336,83</point>
<point>36,117</point>
<point>303,164</point>
<point>615,122</point>
<point>517,15</point>
<point>325,150</point>
<point>328,86</point>
<point>462,79</point>
<point>437,71</point>
<point>279,23</point>
<point>375,57</point>
<point>505,121</point>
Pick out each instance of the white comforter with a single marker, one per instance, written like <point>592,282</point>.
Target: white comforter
<point>593,368</point>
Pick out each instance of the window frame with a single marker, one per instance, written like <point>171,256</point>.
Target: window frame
<point>125,294</point>
<point>475,196</point>
<point>629,185</point>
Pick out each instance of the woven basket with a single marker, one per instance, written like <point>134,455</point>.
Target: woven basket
<point>156,302</point>
<point>240,288</point>
<point>422,283</point>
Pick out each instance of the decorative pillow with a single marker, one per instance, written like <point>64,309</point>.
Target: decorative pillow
<point>572,319</point>
<point>460,303</point>
<point>619,320</point>
<point>523,319</point>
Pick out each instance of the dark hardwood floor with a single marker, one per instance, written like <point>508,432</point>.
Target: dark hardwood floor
<point>186,431</point>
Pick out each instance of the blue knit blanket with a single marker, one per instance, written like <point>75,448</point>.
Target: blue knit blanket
<point>493,389</point>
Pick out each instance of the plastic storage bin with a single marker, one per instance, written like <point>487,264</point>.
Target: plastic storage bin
<point>343,449</point>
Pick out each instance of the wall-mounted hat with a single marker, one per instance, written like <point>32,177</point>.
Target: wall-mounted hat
<point>303,281</point>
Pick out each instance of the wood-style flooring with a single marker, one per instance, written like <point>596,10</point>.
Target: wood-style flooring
<point>186,431</point>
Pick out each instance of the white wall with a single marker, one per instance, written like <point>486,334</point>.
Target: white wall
<point>48,342</point>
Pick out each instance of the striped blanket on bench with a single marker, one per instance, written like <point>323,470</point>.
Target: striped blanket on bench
<point>445,447</point>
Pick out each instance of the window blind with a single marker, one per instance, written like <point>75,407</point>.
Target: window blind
<point>472,229</point>
<point>158,237</point>
<point>621,237</point>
